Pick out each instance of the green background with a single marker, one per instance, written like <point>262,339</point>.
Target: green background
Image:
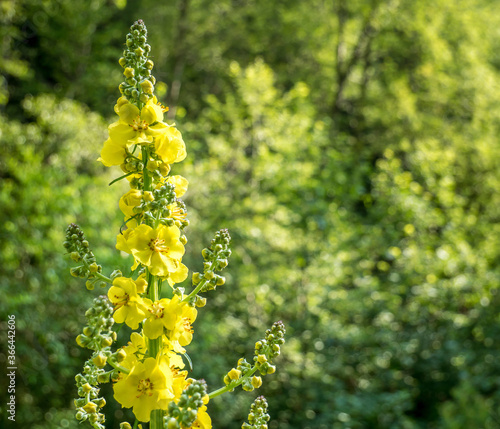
<point>351,148</point>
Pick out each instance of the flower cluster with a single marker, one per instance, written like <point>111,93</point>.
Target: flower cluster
<point>149,373</point>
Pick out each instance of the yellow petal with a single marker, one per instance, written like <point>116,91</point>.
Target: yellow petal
<point>128,112</point>
<point>113,153</point>
<point>121,133</point>
<point>180,183</point>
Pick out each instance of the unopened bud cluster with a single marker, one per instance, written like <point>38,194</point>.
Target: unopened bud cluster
<point>269,348</point>
<point>89,403</point>
<point>215,259</point>
<point>184,413</point>
<point>265,351</point>
<point>78,247</point>
<point>238,375</point>
<point>258,417</point>
<point>98,334</point>
<point>139,84</point>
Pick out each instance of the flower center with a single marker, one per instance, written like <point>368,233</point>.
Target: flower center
<point>138,125</point>
<point>159,246</point>
<point>120,301</point>
<point>145,387</point>
<point>156,310</point>
<point>187,325</point>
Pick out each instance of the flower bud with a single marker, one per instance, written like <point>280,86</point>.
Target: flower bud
<point>147,86</point>
<point>103,378</point>
<point>125,425</point>
<point>82,340</point>
<point>200,302</point>
<point>90,407</point>
<point>148,196</point>
<point>234,374</point>
<point>256,381</point>
<point>120,355</point>
<point>129,72</point>
<point>172,424</point>
<point>164,169</point>
<point>106,341</point>
<point>88,331</point>
<point>100,360</point>
<point>261,359</point>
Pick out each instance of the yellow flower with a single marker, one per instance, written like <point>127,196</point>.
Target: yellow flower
<point>131,199</point>
<point>177,212</point>
<point>170,147</point>
<point>179,275</point>
<point>160,249</point>
<point>203,421</point>
<point>129,306</point>
<point>148,387</point>
<point>119,103</point>
<point>113,153</point>
<point>135,350</point>
<point>160,314</point>
<point>180,183</point>
<point>137,126</point>
<point>182,334</point>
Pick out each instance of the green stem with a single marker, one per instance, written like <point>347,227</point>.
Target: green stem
<point>202,283</point>
<point>104,278</point>
<point>154,346</point>
<point>118,367</point>
<point>196,290</point>
<point>98,275</point>
<point>233,384</point>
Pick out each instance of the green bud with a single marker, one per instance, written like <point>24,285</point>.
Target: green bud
<point>82,340</point>
<point>120,355</point>
<point>200,302</point>
<point>172,424</point>
<point>129,72</point>
<point>220,281</point>
<point>206,253</point>
<point>103,377</point>
<point>100,360</point>
<point>196,278</point>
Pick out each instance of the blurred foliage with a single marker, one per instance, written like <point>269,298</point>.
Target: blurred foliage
<point>351,148</point>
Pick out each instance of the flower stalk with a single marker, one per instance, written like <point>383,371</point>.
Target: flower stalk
<point>148,373</point>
